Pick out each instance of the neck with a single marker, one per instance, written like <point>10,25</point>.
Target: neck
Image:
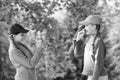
<point>90,36</point>
<point>13,42</point>
<point>94,34</point>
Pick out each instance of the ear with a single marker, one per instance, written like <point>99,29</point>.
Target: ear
<point>11,36</point>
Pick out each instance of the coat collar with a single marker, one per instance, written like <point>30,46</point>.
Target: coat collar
<point>17,45</point>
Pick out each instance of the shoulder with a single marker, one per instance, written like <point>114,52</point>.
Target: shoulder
<point>99,41</point>
<point>14,52</point>
<point>11,49</point>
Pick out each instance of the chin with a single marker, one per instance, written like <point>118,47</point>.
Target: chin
<point>87,33</point>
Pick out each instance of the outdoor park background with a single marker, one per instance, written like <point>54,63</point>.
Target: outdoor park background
<point>55,22</point>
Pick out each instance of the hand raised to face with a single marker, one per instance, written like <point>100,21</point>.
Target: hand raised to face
<point>81,34</point>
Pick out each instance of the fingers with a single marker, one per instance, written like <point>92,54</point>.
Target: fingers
<point>40,45</point>
<point>80,35</point>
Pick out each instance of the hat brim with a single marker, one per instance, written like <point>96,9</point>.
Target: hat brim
<point>25,31</point>
<point>84,23</point>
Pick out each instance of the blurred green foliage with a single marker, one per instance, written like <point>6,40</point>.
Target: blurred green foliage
<point>54,22</point>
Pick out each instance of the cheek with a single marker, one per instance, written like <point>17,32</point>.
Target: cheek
<point>90,29</point>
<point>24,36</point>
<point>20,38</point>
<point>86,28</point>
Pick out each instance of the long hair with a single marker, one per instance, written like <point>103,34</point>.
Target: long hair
<point>98,27</point>
<point>11,36</point>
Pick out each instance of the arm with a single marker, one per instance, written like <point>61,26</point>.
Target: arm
<point>36,57</point>
<point>78,48</point>
<point>28,62</point>
<point>99,59</point>
<point>78,43</point>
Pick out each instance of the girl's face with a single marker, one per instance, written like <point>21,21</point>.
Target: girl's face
<point>20,37</point>
<point>91,29</point>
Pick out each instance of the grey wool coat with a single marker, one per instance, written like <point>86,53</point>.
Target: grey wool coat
<point>24,61</point>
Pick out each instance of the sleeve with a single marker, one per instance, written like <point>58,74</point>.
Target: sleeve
<point>71,51</point>
<point>36,57</point>
<point>28,62</point>
<point>99,58</point>
<point>78,48</point>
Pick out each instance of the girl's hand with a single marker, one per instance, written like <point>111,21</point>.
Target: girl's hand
<point>80,35</point>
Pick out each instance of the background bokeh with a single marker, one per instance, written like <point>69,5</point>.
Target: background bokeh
<point>55,23</point>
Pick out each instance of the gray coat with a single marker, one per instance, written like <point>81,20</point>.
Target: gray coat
<point>25,65</point>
